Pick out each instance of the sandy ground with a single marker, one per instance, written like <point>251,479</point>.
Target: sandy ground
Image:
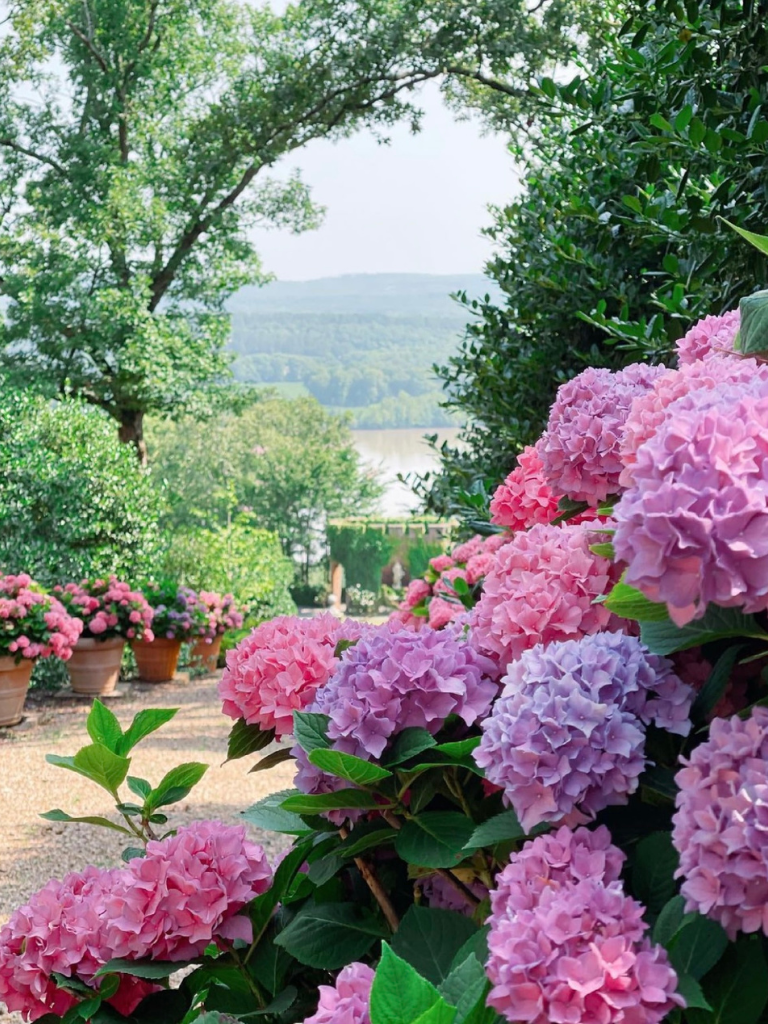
<point>33,850</point>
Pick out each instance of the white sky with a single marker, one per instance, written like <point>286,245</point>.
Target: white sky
<point>415,206</point>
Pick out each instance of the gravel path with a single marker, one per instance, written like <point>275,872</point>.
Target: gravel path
<point>33,850</point>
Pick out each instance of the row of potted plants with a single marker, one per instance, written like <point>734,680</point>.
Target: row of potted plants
<point>88,624</point>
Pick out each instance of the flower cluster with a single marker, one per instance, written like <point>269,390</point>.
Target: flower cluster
<point>580,449</point>
<point>277,668</point>
<point>567,734</point>
<point>567,944</point>
<point>693,527</point>
<point>542,588</point>
<point>442,895</point>
<point>525,498</point>
<point>169,905</point>
<point>179,614</point>
<point>721,822</point>
<point>34,624</point>
<point>108,608</point>
<point>222,614</point>
<point>348,1001</point>
<point>433,601</point>
<point>712,336</point>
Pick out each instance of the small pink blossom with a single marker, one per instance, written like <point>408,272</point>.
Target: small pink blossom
<point>348,1000</point>
<point>712,336</point>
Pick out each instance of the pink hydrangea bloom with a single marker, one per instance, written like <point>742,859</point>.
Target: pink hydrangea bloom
<point>348,1001</point>
<point>693,528</point>
<point>567,736</point>
<point>566,944</point>
<point>721,824</point>
<point>108,608</point>
<point>712,336</point>
<point>649,410</point>
<point>60,930</point>
<point>580,449</point>
<point>542,588</point>
<point>525,498</point>
<point>34,624</point>
<point>479,566</point>
<point>441,563</point>
<point>441,895</point>
<point>277,669</point>
<point>222,614</point>
<point>462,553</point>
<point>441,612</point>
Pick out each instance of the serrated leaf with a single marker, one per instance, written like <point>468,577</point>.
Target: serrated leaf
<point>88,819</point>
<point>399,995</point>
<point>270,815</point>
<point>247,739</point>
<point>464,986</point>
<point>147,721</point>
<point>435,839</point>
<point>629,603</point>
<point>716,624</point>
<point>669,920</point>
<point>346,766</point>
<point>103,727</point>
<point>140,787</point>
<point>310,730</point>
<point>697,946</point>
<point>97,763</point>
<point>499,829</point>
<point>409,743</point>
<point>151,969</point>
<point>654,865</point>
<point>737,989</point>
<point>176,785</point>
<point>429,939</point>
<point>691,992</point>
<point>715,686</point>
<point>330,935</point>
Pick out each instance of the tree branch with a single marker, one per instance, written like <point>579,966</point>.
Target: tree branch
<point>79,34</point>
<point>40,157</point>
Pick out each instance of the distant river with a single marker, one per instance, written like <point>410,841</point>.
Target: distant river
<point>399,451</point>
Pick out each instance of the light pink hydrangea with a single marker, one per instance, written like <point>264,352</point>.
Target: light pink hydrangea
<point>649,410</point>
<point>712,336</point>
<point>567,945</point>
<point>580,449</point>
<point>185,893</point>
<point>348,1001</point>
<point>693,528</point>
<point>479,566</point>
<point>721,824</point>
<point>277,669</point>
<point>542,588</point>
<point>525,498</point>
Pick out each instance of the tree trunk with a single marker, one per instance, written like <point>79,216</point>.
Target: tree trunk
<point>131,431</point>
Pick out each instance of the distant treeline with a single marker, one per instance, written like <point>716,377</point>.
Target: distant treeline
<point>375,366</point>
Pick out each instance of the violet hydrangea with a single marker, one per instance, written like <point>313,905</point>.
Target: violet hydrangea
<point>566,944</point>
<point>348,1001</point>
<point>542,587</point>
<point>580,449</point>
<point>721,824</point>
<point>567,735</point>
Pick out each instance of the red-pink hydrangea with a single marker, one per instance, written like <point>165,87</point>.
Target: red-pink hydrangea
<point>567,945</point>
<point>712,336</point>
<point>721,824</point>
<point>542,588</point>
<point>348,1000</point>
<point>277,669</point>
<point>580,449</point>
<point>108,608</point>
<point>525,498</point>
<point>693,528</point>
<point>34,624</point>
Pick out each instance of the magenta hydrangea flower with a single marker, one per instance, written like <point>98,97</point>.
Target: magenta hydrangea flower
<point>567,737</point>
<point>566,944</point>
<point>185,893</point>
<point>348,1001</point>
<point>542,588</point>
<point>393,680</point>
<point>649,410</point>
<point>279,666</point>
<point>580,449</point>
<point>693,528</point>
<point>721,823</point>
<point>525,498</point>
<point>712,336</point>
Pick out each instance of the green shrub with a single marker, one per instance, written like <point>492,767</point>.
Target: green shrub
<point>240,559</point>
<point>74,502</point>
<point>363,550</point>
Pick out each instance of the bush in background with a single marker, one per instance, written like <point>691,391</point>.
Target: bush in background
<point>74,502</point>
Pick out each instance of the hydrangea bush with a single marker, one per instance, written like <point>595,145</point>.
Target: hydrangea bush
<point>537,795</point>
<point>178,613</point>
<point>108,608</point>
<point>34,624</point>
<point>222,614</point>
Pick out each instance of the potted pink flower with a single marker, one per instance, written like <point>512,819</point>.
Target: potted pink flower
<point>222,614</point>
<point>112,613</point>
<point>179,618</point>
<point>33,625</point>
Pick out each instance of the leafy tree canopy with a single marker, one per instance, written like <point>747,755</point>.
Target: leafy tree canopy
<point>128,183</point>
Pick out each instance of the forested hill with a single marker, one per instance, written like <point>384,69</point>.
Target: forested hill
<point>359,343</point>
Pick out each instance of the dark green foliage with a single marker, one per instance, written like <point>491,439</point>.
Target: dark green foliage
<point>73,501</point>
<point>616,245</point>
<point>363,550</point>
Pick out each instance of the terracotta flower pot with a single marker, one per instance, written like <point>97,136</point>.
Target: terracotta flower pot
<point>94,667</point>
<point>207,654</point>
<point>14,683</point>
<point>156,660</point>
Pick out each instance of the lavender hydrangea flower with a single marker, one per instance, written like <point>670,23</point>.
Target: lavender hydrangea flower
<point>348,1001</point>
<point>693,528</point>
<point>721,825</point>
<point>580,449</point>
<point>567,734</point>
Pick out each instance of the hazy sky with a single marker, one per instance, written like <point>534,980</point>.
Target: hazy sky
<point>415,206</point>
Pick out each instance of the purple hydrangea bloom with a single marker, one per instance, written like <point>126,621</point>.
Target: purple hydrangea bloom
<point>721,825</point>
<point>693,528</point>
<point>394,679</point>
<point>441,895</point>
<point>580,449</point>
<point>348,1001</point>
<point>567,734</point>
